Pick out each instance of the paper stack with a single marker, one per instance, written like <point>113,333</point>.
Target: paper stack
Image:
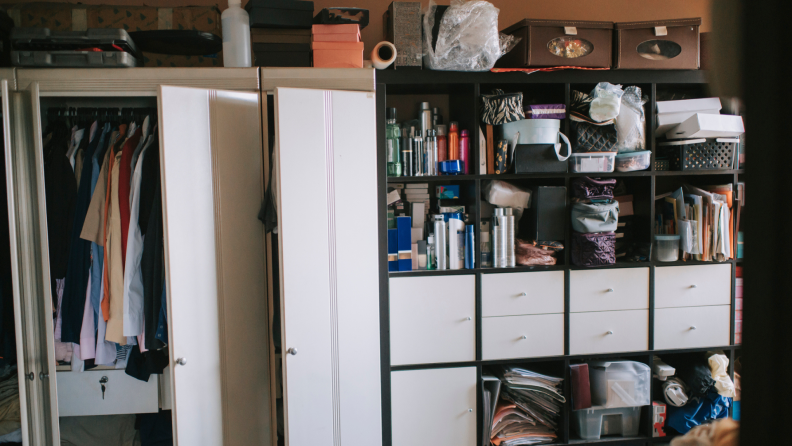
<point>529,409</point>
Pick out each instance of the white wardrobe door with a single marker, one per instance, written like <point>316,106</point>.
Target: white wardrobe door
<point>211,182</point>
<point>327,228</point>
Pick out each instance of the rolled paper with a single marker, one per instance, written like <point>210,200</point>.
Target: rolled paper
<point>383,55</point>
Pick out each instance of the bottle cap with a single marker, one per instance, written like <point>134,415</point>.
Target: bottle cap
<point>441,130</point>
<point>464,133</point>
<point>454,126</point>
<point>431,239</point>
<point>438,217</point>
<point>234,3</point>
<point>431,133</point>
<point>469,229</point>
<point>425,106</point>
<point>391,112</point>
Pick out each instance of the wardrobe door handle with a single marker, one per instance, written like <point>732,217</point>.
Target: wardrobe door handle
<point>43,376</point>
<point>292,351</point>
<point>31,376</point>
<point>181,361</point>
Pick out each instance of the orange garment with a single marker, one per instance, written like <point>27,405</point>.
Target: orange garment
<point>105,284</point>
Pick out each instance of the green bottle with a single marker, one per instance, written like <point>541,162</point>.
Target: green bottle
<point>392,152</point>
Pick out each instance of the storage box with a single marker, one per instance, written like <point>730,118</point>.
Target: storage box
<point>547,215</point>
<point>592,162</point>
<point>657,45</point>
<point>702,125</point>
<point>688,105</point>
<point>280,13</point>
<point>335,33</point>
<point>276,35</point>
<point>337,54</point>
<point>658,418</point>
<point>538,158</point>
<point>701,154</point>
<point>667,121</point>
<point>402,27</point>
<point>631,161</point>
<point>282,54</point>
<point>595,422</point>
<point>551,43</point>
<point>620,383</point>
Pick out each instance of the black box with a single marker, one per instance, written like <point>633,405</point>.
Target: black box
<point>547,215</point>
<point>533,158</point>
<point>282,58</point>
<point>280,13</point>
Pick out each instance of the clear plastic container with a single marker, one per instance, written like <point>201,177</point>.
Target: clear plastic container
<point>667,248</point>
<point>592,162</point>
<point>630,161</point>
<point>620,383</point>
<point>594,422</point>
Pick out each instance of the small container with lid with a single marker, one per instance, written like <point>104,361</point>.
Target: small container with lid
<point>667,247</point>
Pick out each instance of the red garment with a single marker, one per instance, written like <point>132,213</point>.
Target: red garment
<point>124,187</point>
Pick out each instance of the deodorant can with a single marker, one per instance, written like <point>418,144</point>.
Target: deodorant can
<point>441,243</point>
<point>470,247</point>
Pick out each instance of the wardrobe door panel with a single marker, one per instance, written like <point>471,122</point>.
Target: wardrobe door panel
<point>32,294</point>
<point>214,254</point>
<point>327,227</point>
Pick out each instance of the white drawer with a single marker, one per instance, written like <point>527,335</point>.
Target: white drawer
<point>609,289</point>
<point>515,294</point>
<point>692,286</point>
<point>674,327</point>
<point>80,393</point>
<point>608,332</point>
<point>432,319</point>
<point>522,336</point>
<point>434,407</point>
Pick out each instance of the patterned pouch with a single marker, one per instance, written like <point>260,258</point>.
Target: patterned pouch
<point>585,188</point>
<point>500,107</point>
<point>593,249</point>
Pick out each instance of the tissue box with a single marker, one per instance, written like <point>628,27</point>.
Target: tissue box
<point>657,45</point>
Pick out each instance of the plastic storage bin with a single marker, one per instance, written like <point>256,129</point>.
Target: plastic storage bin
<point>667,248</point>
<point>620,383</point>
<point>592,162</point>
<point>594,422</point>
<point>630,161</point>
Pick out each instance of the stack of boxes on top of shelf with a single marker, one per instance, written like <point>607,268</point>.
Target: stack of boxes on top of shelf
<point>280,32</point>
<point>337,46</point>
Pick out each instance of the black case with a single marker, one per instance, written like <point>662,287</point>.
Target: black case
<point>533,158</point>
<point>282,58</point>
<point>280,13</point>
<point>547,215</point>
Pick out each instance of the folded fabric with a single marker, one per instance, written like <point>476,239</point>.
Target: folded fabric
<point>595,217</point>
<point>723,383</point>
<point>697,376</point>
<point>698,411</point>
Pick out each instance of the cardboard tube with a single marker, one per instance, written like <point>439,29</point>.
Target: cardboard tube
<point>383,55</point>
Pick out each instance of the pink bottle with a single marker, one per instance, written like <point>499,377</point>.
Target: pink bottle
<point>464,151</point>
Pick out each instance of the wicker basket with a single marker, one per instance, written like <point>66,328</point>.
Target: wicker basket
<point>701,154</point>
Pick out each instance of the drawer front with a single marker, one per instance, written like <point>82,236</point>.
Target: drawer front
<point>692,286</point>
<point>522,336</point>
<point>432,319</point>
<point>608,332</point>
<point>674,327</point>
<point>515,294</point>
<point>80,393</point>
<point>611,289</point>
<point>434,407</point>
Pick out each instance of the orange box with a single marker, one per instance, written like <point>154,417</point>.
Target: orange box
<point>338,58</point>
<point>336,33</point>
<point>337,46</point>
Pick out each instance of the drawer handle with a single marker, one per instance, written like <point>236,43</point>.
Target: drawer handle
<point>693,286</point>
<point>523,294</point>
<point>468,318</point>
<point>470,410</point>
<point>609,290</point>
<point>181,361</point>
<point>692,327</point>
<point>524,337</point>
<point>610,332</point>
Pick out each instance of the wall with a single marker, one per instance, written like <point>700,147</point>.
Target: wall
<point>511,12</point>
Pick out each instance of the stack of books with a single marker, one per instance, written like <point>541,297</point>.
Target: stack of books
<point>529,409</point>
<point>337,46</point>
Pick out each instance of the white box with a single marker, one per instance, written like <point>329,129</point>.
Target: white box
<point>688,105</point>
<point>416,235</point>
<point>667,121</point>
<point>708,126</point>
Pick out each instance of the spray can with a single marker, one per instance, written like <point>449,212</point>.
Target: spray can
<point>440,236</point>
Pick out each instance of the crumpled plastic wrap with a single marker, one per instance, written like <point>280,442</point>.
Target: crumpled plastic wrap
<point>719,365</point>
<point>468,38</point>
<point>606,101</point>
<point>631,123</point>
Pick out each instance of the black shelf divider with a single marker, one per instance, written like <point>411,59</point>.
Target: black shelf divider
<point>463,91</point>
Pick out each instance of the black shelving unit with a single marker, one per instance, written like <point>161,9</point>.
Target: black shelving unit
<point>460,95</point>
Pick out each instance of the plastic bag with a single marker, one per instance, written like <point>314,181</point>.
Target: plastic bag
<point>606,101</point>
<point>467,39</point>
<point>719,365</point>
<point>503,194</point>
<point>631,123</point>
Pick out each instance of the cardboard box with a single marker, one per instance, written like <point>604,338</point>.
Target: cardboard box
<point>274,35</point>
<point>340,46</point>
<point>703,125</point>
<point>336,33</point>
<point>338,58</point>
<point>658,418</point>
<point>667,121</point>
<point>688,105</point>
<point>657,45</point>
<point>280,13</point>
<point>536,35</point>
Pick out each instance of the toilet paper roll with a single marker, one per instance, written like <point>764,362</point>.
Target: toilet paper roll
<point>383,55</point>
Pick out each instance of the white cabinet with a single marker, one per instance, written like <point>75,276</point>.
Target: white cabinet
<point>692,327</point>
<point>609,289</point>
<point>80,393</point>
<point>434,407</point>
<point>692,286</point>
<point>608,332</point>
<point>522,336</point>
<point>432,319</point>
<point>514,294</point>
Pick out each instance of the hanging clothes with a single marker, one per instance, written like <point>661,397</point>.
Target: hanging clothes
<point>105,302</point>
<point>152,265</point>
<point>94,215</point>
<point>114,257</point>
<point>79,263</point>
<point>124,175</point>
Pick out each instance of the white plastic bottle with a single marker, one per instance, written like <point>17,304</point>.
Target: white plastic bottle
<point>236,35</point>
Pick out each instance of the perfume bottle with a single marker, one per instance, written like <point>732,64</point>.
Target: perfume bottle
<point>431,262</point>
<point>392,150</point>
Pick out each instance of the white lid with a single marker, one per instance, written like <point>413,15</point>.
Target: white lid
<point>234,3</point>
<point>595,154</point>
<point>534,123</point>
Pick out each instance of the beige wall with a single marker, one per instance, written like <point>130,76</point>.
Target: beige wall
<point>511,12</point>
